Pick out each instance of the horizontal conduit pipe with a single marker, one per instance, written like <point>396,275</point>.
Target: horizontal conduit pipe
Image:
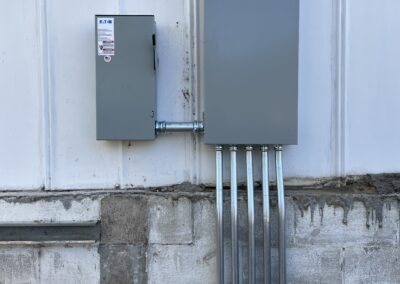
<point>164,127</point>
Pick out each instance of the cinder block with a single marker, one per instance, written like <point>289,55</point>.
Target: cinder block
<point>19,265</point>
<point>327,227</point>
<point>181,264</point>
<point>308,265</point>
<point>123,264</point>
<point>124,219</point>
<point>195,263</point>
<point>170,220</point>
<point>205,223</point>
<point>372,264</point>
<point>78,264</point>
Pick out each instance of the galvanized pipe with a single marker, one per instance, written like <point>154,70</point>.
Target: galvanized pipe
<point>234,218</point>
<point>266,215</point>
<point>250,210</point>
<point>281,212</point>
<point>164,127</point>
<point>220,212</point>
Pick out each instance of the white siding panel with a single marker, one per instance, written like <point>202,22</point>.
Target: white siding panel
<point>77,159</point>
<point>168,159</point>
<point>21,156</point>
<point>47,109</point>
<point>373,86</point>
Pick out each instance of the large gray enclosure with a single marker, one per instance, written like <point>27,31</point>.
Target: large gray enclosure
<point>250,70</point>
<point>125,77</point>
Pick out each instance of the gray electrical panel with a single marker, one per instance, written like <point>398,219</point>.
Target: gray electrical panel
<point>125,77</point>
<point>250,71</point>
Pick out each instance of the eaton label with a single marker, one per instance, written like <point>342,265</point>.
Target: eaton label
<point>105,37</point>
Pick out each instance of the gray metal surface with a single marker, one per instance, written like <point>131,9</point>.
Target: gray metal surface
<point>125,86</point>
<point>220,212</point>
<point>266,215</point>
<point>250,71</point>
<point>281,213</point>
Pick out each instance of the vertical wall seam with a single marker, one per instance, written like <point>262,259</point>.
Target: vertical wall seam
<point>199,70</point>
<point>46,95</point>
<point>193,86</point>
<point>39,264</point>
<point>41,174</point>
<point>186,88</point>
<point>343,93</point>
<point>334,144</point>
<point>338,69</point>
<point>342,263</point>
<point>121,144</point>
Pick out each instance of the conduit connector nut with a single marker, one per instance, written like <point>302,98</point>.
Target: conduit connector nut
<point>161,126</point>
<point>278,147</point>
<point>233,148</point>
<point>198,126</point>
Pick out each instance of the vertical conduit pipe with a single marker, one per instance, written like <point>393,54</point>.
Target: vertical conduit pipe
<point>250,210</point>
<point>234,218</point>
<point>220,210</point>
<point>281,212</point>
<point>266,215</point>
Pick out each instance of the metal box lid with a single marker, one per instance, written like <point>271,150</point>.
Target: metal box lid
<point>250,71</point>
<point>125,77</point>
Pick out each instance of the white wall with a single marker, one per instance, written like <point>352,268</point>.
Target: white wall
<point>349,95</point>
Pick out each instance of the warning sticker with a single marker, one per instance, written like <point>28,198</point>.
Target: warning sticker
<point>105,36</point>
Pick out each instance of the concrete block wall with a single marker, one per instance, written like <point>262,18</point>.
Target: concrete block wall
<point>334,235</point>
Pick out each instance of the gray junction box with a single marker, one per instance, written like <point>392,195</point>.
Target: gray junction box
<point>125,77</point>
<point>250,71</point>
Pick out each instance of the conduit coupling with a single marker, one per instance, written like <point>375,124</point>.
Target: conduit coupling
<point>194,127</point>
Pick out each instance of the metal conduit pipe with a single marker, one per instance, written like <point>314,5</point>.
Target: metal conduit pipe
<point>266,215</point>
<point>220,210</point>
<point>164,127</point>
<point>250,210</point>
<point>281,213</point>
<point>234,216</point>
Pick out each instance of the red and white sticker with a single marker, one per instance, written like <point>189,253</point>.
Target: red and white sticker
<point>105,36</point>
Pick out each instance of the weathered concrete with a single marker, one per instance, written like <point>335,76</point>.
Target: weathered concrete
<point>47,209</point>
<point>19,265</point>
<point>170,221</point>
<point>69,265</point>
<point>338,231</point>
<point>193,263</point>
<point>49,264</point>
<point>124,219</point>
<point>372,264</point>
<point>123,264</point>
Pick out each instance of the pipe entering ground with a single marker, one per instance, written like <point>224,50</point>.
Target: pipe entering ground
<point>281,213</point>
<point>220,212</point>
<point>266,215</point>
<point>234,218</point>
